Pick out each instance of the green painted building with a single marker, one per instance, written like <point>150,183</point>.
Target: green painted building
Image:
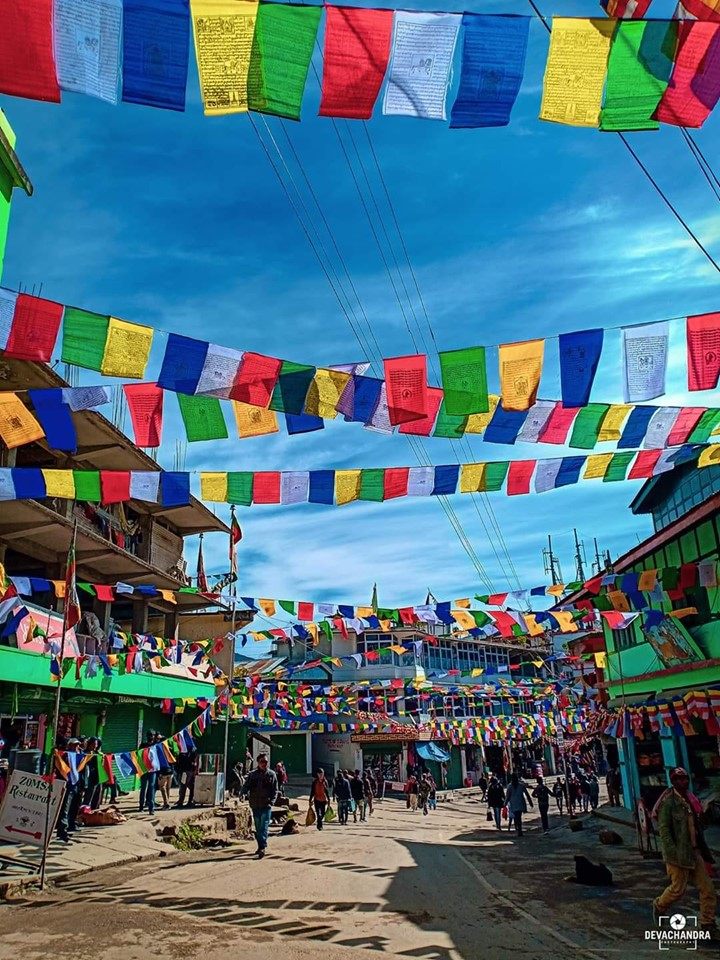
<point>12,176</point>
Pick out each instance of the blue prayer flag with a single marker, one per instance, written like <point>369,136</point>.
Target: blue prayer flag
<point>322,487</point>
<point>182,364</point>
<point>175,489</point>
<point>302,423</point>
<point>579,358</point>
<point>505,425</point>
<point>12,624</point>
<point>636,427</point>
<point>569,471</point>
<point>493,62</point>
<point>29,483</point>
<point>367,394</point>
<point>345,611</point>
<point>442,612</point>
<point>55,418</point>
<point>40,585</point>
<point>155,52</point>
<point>446,479</point>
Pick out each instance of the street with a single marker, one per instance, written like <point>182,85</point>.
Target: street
<point>448,886</point>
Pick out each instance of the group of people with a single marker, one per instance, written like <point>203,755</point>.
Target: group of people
<point>184,769</point>
<point>421,792</point>
<point>579,793</point>
<point>352,791</point>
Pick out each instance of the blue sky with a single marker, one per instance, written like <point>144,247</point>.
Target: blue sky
<point>177,220</point>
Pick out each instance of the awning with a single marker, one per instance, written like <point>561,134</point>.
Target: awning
<point>431,751</point>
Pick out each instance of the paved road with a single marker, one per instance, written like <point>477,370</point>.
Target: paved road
<point>443,887</point>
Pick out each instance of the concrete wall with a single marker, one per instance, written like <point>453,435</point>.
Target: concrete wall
<point>336,751</point>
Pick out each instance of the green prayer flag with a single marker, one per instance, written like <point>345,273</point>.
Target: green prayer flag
<point>280,59</point>
<point>87,485</point>
<point>464,380</point>
<point>639,68</point>
<point>480,617</point>
<point>705,426</point>
<point>103,775</point>
<point>240,488</point>
<point>587,425</point>
<point>288,606</point>
<point>618,466</point>
<point>448,425</point>
<point>84,337</point>
<point>482,597</point>
<point>494,475</point>
<point>88,588</point>
<point>601,602</point>
<point>203,418</point>
<point>292,388</point>
<point>326,629</point>
<point>384,613</point>
<point>372,485</point>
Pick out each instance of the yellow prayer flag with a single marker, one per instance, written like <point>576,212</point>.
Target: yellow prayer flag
<point>127,349</point>
<point>364,612</point>
<point>478,422</point>
<point>520,371</point>
<point>59,587</point>
<point>614,421</point>
<point>597,464</point>
<point>59,483</point>
<point>538,663</point>
<point>254,421</point>
<point>312,629</point>
<point>476,672</point>
<point>465,619</point>
<point>533,627</point>
<point>575,71</point>
<point>465,603</point>
<point>17,425</point>
<point>325,391</point>
<point>710,456</point>
<point>556,590</point>
<point>385,626</point>
<point>347,486</point>
<point>472,476</point>
<point>647,580</point>
<point>168,595</point>
<point>267,607</point>
<point>601,659</point>
<point>683,612</point>
<point>223,32</point>
<point>619,601</point>
<point>400,651</point>
<point>565,619</point>
<point>213,487</point>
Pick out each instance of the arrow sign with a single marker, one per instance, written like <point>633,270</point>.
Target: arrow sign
<point>36,834</point>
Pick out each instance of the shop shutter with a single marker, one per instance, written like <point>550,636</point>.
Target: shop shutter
<point>293,753</point>
<point>121,734</point>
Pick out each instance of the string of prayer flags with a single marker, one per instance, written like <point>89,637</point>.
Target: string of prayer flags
<point>420,64</point>
<point>145,403</point>
<point>17,425</point>
<point>520,371</point>
<point>203,418</point>
<point>87,46</point>
<point>579,358</point>
<point>281,54</point>
<point>703,351</point>
<point>406,384</point>
<point>493,63</point>
<point>223,32</point>
<point>29,332</point>
<point>575,71</point>
<point>114,347</point>
<point>644,361</point>
<point>639,68</point>
<point>356,53</point>
<point>27,64</point>
<point>694,87</point>
<point>155,56</point>
<point>55,418</point>
<point>464,380</point>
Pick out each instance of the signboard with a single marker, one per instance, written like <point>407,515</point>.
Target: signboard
<point>24,808</point>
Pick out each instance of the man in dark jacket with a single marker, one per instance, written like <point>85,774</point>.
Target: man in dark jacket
<point>261,789</point>
<point>357,792</point>
<point>343,794</point>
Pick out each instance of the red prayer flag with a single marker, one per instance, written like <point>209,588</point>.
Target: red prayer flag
<point>104,593</point>
<point>688,576</point>
<point>594,584</point>
<point>684,425</point>
<point>115,485</point>
<point>627,9</point>
<point>340,624</point>
<point>305,611</point>
<point>356,54</point>
<point>145,402</point>
<point>504,622</point>
<point>407,616</point>
<point>424,426</point>
<point>703,351</point>
<point>559,423</point>
<point>256,379</point>
<point>266,487</point>
<point>519,476</point>
<point>27,61</point>
<point>694,86</point>
<point>644,464</point>
<point>700,9</point>
<point>406,382</point>
<point>395,483</point>
<point>497,599</point>
<point>35,322</point>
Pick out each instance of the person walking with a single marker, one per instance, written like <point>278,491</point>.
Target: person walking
<point>612,782</point>
<point>369,792</point>
<point>684,851</point>
<point>424,793</point>
<point>148,780</point>
<point>559,794</point>
<point>432,799</point>
<point>261,789</point>
<point>164,773</point>
<point>343,795</point>
<point>496,799</point>
<point>594,792</point>
<point>282,777</point>
<point>357,793</point>
<point>91,797</point>
<point>186,767</point>
<point>320,797</point>
<point>542,795</point>
<point>515,798</point>
<point>483,784</point>
<point>585,791</point>
<point>411,789</point>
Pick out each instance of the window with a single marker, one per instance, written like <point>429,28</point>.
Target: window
<point>622,639</point>
<point>372,642</point>
<point>693,488</point>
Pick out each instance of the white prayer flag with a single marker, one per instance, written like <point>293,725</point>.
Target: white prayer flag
<point>707,573</point>
<point>545,474</point>
<point>7,487</point>
<point>294,486</point>
<point>658,430</point>
<point>86,398</point>
<point>144,485</point>
<point>380,419</point>
<point>664,463</point>
<point>644,360</point>
<point>87,46</point>
<point>219,372</point>
<point>421,481</point>
<point>325,609</point>
<point>537,417</point>
<point>8,299</point>
<point>420,64</point>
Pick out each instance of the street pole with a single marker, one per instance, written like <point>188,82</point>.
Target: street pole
<point>229,689</point>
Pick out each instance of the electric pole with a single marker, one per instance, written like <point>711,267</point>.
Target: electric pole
<point>552,563</point>
<point>579,558</point>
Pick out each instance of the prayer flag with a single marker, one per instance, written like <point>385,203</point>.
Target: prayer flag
<point>703,351</point>
<point>254,421</point>
<point>536,421</point>
<point>520,371</point>
<point>294,487</point>
<point>424,427</point>
<point>305,612</point>
<point>644,361</point>
<point>356,52</point>
<point>59,483</point>
<point>174,489</point>
<point>705,427</point>
<point>686,422</point>
<point>644,465</point>
<point>626,8</point>
<point>156,37</point>
<point>347,487</point>
<point>87,485</point>
<point>558,424</point>
<point>464,380</point>
<point>281,54</point>
<point>203,418</point>
<point>144,485</point>
<point>579,358</point>
<point>395,483</point>
<point>55,418</point>
<point>569,471</point>
<point>266,487</point>
<point>493,62</point>
<point>472,477</point>
<point>575,71</point>
<point>302,423</point>
<point>17,425</point>
<point>145,402</point>
<point>445,480</point>
<point>219,372</point>
<point>223,32</point>
<point>8,302</point>
<point>213,489</point>
<point>545,474</point>
<point>115,485</point>
<point>641,60</point>
<point>478,422</point>
<point>322,486</point>
<point>87,46</point>
<point>256,379</point>
<point>659,427</point>
<point>519,476</point>
<point>27,65</point>
<point>35,321</point>
<point>694,86</point>
<point>597,465</point>
<point>447,425</point>
<point>420,64</point>
<point>618,467</point>
<point>636,427</point>
<point>372,485</point>
<point>240,484</point>
<point>366,396</point>
<point>127,349</point>
<point>504,425</point>
<point>406,385</point>
<point>421,481</point>
<point>326,388</point>
<point>587,425</point>
<point>85,398</point>
<point>182,364</point>
<point>612,425</point>
<point>292,388</point>
<point>84,338</point>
